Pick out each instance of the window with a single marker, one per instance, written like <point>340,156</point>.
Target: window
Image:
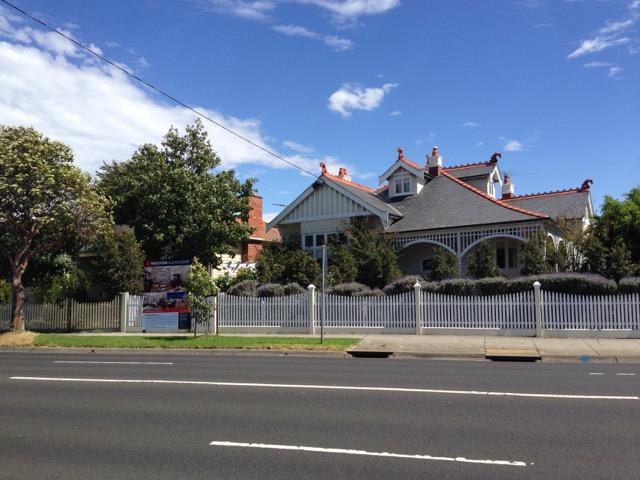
<point>402,185</point>
<point>313,243</point>
<point>320,240</point>
<point>308,241</point>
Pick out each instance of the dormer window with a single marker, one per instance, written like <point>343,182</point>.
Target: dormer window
<point>402,185</point>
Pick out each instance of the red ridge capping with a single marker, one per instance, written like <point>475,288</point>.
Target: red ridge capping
<point>469,165</point>
<point>348,182</point>
<point>544,194</point>
<point>494,200</point>
<point>411,163</point>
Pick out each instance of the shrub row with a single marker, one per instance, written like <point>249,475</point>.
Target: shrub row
<point>574,283</point>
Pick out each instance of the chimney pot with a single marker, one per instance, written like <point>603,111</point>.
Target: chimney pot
<point>508,189</point>
<point>434,162</point>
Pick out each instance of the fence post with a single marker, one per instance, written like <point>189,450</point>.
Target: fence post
<point>213,314</point>
<point>537,299</point>
<point>417,290</point>
<point>311,306</point>
<point>124,311</point>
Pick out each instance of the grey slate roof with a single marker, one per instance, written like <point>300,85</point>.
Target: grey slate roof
<point>444,203</point>
<point>474,171</point>
<point>569,205</point>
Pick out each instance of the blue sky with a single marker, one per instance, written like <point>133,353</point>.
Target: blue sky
<point>554,85</point>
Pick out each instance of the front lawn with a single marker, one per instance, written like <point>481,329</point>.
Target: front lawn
<point>269,343</point>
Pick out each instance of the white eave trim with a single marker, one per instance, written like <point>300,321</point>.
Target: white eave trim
<point>399,164</point>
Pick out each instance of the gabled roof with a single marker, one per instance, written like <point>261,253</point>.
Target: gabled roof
<point>402,162</point>
<point>570,204</point>
<point>472,170</point>
<point>447,202</point>
<point>364,193</point>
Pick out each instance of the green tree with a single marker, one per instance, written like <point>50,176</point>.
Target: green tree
<point>177,205</point>
<point>376,259</point>
<point>621,219</point>
<point>342,265</point>
<point>551,255</point>
<point>119,263</point>
<point>286,264</point>
<point>199,286</point>
<point>58,277</point>
<point>45,203</point>
<point>443,265</point>
<point>5,291</point>
<point>483,262</point>
<point>533,255</point>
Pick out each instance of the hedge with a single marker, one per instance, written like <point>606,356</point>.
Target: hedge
<point>251,288</point>
<point>629,285</point>
<point>403,285</point>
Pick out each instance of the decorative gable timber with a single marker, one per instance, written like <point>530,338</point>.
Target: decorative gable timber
<point>321,202</point>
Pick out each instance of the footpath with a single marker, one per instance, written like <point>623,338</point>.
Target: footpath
<point>501,348</point>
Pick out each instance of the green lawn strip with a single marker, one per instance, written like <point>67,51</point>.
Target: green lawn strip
<point>267,343</point>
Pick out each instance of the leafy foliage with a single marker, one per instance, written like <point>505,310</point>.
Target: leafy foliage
<point>45,204</point>
<point>177,206</point>
<point>403,285</point>
<point>443,265</point>
<point>199,286</point>
<point>534,257</point>
<point>246,288</point>
<point>629,285</point>
<point>119,263</point>
<point>286,264</point>
<point>351,289</point>
<point>342,265</point>
<point>483,262</point>
<point>375,257</point>
<point>5,291</point>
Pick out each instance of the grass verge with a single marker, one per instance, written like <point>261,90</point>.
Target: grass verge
<point>265,343</point>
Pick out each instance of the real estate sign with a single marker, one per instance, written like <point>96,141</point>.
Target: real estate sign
<point>165,301</point>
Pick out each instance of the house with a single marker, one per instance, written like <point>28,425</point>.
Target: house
<point>419,206</point>
<point>247,252</point>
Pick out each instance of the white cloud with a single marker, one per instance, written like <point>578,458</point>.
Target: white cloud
<point>606,37</point>
<point>597,64</point>
<point>102,114</point>
<point>298,147</point>
<point>471,124</point>
<point>513,146</point>
<point>612,27</point>
<point>395,113</point>
<point>480,143</point>
<point>597,44</point>
<point>351,96</point>
<point>614,71</point>
<point>337,43</point>
<point>352,9</point>
<point>111,44</point>
<point>254,10</point>
<point>634,4</point>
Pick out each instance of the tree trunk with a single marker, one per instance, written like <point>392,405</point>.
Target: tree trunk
<point>17,302</point>
<point>18,266</point>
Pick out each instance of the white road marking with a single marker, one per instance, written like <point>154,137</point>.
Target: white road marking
<point>329,387</point>
<point>301,448</point>
<point>114,363</point>
<point>595,373</point>
<point>626,374</point>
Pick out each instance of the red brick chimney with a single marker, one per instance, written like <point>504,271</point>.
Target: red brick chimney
<point>343,174</point>
<point>434,162</point>
<point>508,189</point>
<point>255,216</point>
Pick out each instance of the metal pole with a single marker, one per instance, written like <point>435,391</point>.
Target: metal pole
<point>324,267</point>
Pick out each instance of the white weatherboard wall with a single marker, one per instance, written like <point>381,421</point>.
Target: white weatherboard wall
<point>324,202</point>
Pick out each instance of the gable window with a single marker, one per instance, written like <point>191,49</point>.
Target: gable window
<point>402,185</point>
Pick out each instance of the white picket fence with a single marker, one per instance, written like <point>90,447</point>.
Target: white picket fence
<point>507,313</point>
<point>390,312</point>
<point>614,313</point>
<point>281,312</point>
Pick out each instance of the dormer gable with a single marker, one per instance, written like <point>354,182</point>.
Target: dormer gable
<point>404,177</point>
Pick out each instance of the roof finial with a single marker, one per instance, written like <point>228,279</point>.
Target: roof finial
<point>586,185</point>
<point>495,157</point>
<point>400,153</point>
<point>323,168</point>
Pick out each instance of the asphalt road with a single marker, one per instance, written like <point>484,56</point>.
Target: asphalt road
<point>52,427</point>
